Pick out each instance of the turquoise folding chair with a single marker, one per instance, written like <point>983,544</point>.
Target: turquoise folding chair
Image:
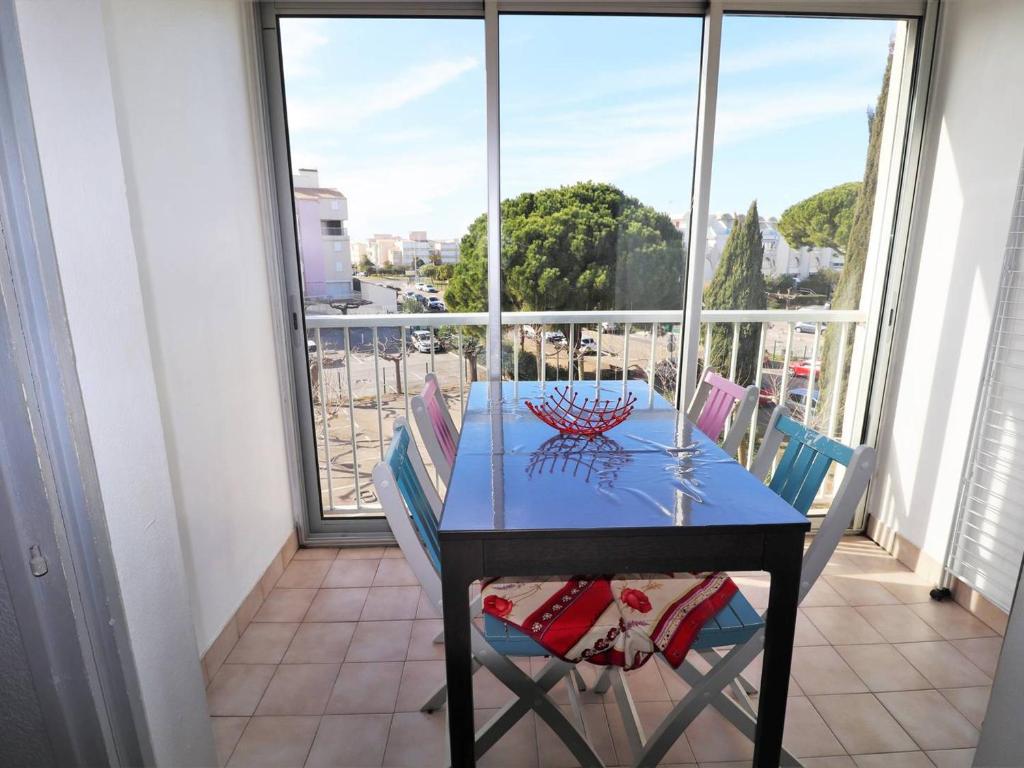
<point>797,479</point>
<point>412,507</point>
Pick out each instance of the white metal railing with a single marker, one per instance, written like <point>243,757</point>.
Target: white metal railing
<point>364,367</point>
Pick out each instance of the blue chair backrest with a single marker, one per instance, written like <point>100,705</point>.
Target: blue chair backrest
<point>805,463</point>
<point>409,486</point>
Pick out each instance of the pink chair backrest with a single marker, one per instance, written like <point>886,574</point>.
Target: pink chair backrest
<point>723,396</point>
<point>433,402</point>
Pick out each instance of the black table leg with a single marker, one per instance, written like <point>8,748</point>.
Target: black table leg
<point>460,565</point>
<point>783,557</point>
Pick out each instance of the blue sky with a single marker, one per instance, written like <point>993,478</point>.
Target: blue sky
<point>392,112</point>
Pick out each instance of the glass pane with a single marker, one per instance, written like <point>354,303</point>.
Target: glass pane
<point>801,128</point>
<point>597,125</point>
<point>386,126</point>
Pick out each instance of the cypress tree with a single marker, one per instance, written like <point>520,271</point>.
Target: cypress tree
<point>851,279</point>
<point>738,284</point>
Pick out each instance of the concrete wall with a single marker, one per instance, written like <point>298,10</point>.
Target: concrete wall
<point>65,52</point>
<point>972,154</point>
<point>180,88</point>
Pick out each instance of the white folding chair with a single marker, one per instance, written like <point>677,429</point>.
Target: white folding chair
<point>436,427</point>
<point>715,401</point>
<point>799,475</point>
<point>412,507</point>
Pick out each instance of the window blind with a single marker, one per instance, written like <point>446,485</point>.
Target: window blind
<point>988,535</point>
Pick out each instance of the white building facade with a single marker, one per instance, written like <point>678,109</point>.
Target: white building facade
<point>324,246</point>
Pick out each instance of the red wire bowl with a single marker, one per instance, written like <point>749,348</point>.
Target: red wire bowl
<point>564,411</point>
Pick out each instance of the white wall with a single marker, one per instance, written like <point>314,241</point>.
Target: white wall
<point>972,155</point>
<point>69,84</point>
<point>180,88</point>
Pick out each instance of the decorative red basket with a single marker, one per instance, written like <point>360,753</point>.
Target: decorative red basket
<point>590,418</point>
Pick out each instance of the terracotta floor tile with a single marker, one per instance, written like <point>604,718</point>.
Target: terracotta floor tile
<point>843,626</point>
<point>970,702</point>
<point>337,604</point>
<point>646,683</point>
<point>316,553</point>
<point>806,632</point>
<point>753,675</point>
<point>930,720</point>
<point>421,645</point>
<point>714,739</point>
<point>393,552</point>
<point>226,733</point>
<point>419,680</point>
<point>893,760</point>
<point>416,740</point>
<point>897,623</point>
<point>806,734</point>
<point>907,586</point>
<point>982,651</point>
<point>285,605</point>
<point>651,713</point>
<point>304,574</point>
<point>820,669</point>
<point>516,749</point>
<point>359,553</point>
<point>275,742</point>
<point>387,603</point>
<point>263,643</point>
<point>821,594</point>
<point>365,688</point>
<point>882,668</point>
<point>350,740</point>
<point>320,643</point>
<point>489,692</point>
<point>837,761</point>
<point>552,752</point>
<point>859,589</point>
<point>380,641</point>
<point>862,725</point>
<point>951,621</point>
<point>350,573</point>
<point>943,665</point>
<point>394,572</point>
<point>299,689</point>
<point>236,689</point>
<point>424,609</point>
<point>952,758</point>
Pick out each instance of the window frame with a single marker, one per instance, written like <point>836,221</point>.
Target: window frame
<point>891,245</point>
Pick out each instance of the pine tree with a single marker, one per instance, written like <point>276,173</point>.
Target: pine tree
<point>851,279</point>
<point>738,284</point>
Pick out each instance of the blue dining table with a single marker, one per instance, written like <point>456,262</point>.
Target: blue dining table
<point>651,495</point>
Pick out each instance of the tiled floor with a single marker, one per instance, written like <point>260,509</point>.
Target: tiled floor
<point>340,657</point>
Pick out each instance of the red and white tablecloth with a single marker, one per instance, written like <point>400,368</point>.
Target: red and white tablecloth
<point>621,620</point>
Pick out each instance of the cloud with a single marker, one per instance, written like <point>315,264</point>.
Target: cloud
<point>345,107</point>
<point>301,39</point>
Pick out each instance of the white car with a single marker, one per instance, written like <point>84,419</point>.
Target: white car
<point>554,337</point>
<point>588,346</point>
<point>804,327</point>
<point>424,341</point>
<point>434,304</point>
<point>429,289</point>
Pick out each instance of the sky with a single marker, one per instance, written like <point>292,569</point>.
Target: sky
<point>392,111</point>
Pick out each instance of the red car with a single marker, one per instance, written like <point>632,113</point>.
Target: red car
<point>803,368</point>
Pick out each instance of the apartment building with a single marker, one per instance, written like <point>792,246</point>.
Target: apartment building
<point>323,240</point>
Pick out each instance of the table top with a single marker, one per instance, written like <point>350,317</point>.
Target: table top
<point>656,470</point>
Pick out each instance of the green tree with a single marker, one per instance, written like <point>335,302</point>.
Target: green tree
<point>365,264</point>
<point>584,246</point>
<point>847,291</point>
<point>822,220</point>
<point>822,283</point>
<point>738,284</point>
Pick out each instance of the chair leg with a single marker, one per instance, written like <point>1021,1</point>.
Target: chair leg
<point>440,694</point>
<point>627,709</point>
<point>603,681</point>
<point>712,657</point>
<point>531,693</point>
<point>581,684</point>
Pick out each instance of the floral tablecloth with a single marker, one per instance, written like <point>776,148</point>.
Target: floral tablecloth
<point>620,620</point>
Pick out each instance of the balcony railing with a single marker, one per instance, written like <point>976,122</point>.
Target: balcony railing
<point>365,369</point>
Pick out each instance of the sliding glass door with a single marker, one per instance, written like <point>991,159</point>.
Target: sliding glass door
<point>671,188</point>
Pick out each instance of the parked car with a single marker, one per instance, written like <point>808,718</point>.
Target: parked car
<point>434,304</point>
<point>797,401</point>
<point>803,368</point>
<point>554,337</point>
<point>804,327</point>
<point>420,298</point>
<point>425,341</point>
<point>430,289</point>
<point>611,327</point>
<point>310,347</point>
<point>588,346</point>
